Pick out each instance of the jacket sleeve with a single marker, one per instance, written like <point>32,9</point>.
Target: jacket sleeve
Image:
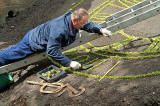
<point>53,47</point>
<point>92,27</point>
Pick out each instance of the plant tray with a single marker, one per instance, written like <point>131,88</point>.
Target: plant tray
<point>51,73</point>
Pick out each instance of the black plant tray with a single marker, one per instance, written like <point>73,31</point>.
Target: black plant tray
<point>51,73</point>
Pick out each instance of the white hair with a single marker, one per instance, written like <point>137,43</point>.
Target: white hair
<point>78,13</point>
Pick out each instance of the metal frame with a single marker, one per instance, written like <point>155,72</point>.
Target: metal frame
<point>133,15</point>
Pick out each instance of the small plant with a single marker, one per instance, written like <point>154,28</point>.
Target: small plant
<point>50,73</point>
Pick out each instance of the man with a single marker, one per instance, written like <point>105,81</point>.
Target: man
<point>51,36</point>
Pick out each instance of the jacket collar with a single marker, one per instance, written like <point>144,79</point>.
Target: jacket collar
<point>70,24</point>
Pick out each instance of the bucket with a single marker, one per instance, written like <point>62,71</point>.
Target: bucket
<point>5,79</point>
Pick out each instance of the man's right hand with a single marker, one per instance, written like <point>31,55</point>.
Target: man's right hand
<point>105,32</point>
<point>75,65</point>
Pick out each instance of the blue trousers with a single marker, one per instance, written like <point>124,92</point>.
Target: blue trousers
<point>16,52</point>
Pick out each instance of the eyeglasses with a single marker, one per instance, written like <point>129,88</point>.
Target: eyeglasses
<point>81,23</point>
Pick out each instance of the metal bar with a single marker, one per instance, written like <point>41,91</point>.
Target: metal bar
<point>134,20</point>
<point>22,63</point>
<point>117,21</point>
<point>131,14</point>
<point>127,10</point>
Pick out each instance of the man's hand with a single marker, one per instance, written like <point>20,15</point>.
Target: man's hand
<point>75,65</point>
<point>105,32</point>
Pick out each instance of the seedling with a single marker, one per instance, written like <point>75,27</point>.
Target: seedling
<point>51,73</point>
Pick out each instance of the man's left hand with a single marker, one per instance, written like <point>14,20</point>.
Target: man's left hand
<point>105,32</point>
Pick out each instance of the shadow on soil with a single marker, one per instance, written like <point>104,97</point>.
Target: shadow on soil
<point>39,12</point>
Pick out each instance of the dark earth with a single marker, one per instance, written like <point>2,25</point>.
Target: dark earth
<point>143,91</point>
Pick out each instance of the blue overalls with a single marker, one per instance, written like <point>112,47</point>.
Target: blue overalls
<point>49,37</point>
<point>16,52</point>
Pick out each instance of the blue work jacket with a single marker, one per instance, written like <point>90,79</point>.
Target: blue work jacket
<point>57,33</point>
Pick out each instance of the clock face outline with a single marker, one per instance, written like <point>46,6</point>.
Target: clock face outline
<point>150,51</point>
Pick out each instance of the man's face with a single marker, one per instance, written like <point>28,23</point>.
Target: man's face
<point>78,24</point>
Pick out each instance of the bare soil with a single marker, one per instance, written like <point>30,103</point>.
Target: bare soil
<point>144,91</point>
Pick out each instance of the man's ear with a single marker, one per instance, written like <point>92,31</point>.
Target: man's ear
<point>74,21</point>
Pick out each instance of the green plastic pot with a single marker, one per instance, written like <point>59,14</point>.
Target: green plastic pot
<point>5,79</point>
